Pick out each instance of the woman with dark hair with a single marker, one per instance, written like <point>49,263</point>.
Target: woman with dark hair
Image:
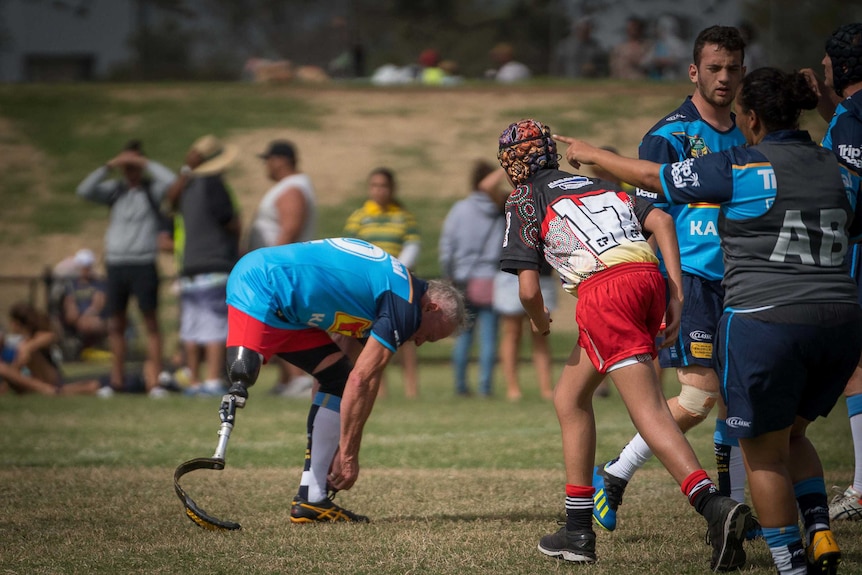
<point>383,221</point>
<point>30,366</point>
<point>791,331</point>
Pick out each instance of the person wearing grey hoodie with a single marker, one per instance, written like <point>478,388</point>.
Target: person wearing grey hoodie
<point>469,254</point>
<point>130,250</point>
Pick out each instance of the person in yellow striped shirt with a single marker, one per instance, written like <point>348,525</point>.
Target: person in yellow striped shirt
<point>383,221</point>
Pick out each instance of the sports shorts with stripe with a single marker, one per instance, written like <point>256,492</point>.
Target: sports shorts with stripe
<point>619,312</point>
<point>770,373</point>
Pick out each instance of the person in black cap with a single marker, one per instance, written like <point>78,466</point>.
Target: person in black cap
<point>285,215</point>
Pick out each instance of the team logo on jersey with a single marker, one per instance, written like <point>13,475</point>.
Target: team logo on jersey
<point>572,183</point>
<point>682,174</point>
<point>852,155</point>
<point>698,147</point>
<point>349,325</point>
<point>646,194</point>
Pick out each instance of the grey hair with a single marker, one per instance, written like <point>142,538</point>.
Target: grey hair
<point>451,302</point>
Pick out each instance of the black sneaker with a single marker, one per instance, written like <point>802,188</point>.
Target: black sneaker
<point>608,496</point>
<point>727,521</point>
<point>577,546</point>
<point>325,511</point>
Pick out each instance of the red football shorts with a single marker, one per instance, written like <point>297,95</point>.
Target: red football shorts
<point>619,312</point>
<point>244,330</point>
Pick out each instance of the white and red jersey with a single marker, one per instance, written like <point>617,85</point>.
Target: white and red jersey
<point>579,225</point>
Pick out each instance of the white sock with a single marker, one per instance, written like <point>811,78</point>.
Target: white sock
<point>632,457</point>
<point>325,434</point>
<point>737,475</point>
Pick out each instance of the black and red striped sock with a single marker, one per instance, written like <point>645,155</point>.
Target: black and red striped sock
<point>699,488</point>
<point>579,507</point>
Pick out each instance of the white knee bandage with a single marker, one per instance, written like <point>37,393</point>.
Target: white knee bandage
<point>696,401</point>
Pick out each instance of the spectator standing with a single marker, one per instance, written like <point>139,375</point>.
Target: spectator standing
<point>790,335</point>
<point>287,214</point>
<point>469,253</point>
<point>704,124</point>
<point>626,57</point>
<point>288,211</point>
<point>131,249</point>
<point>211,247</point>
<point>384,222</point>
<point>579,55</point>
<point>507,304</point>
<point>842,67</point>
<point>591,233</point>
<point>350,290</point>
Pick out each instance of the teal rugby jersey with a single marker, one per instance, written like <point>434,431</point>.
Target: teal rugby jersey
<point>682,135</point>
<point>339,285</point>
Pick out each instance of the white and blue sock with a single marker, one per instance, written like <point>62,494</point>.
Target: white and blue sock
<point>788,553</point>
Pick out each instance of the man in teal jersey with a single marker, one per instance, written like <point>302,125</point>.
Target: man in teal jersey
<point>293,301</point>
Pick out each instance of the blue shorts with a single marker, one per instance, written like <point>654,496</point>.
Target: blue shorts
<point>701,309</point>
<point>772,372</point>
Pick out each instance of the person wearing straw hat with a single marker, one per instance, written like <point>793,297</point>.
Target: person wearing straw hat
<point>212,230</point>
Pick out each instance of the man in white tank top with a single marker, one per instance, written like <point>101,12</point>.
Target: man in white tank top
<point>286,214</point>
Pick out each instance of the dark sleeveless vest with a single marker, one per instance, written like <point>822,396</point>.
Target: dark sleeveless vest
<point>795,252</point>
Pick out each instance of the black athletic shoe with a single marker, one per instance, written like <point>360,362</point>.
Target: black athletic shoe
<point>727,523</point>
<point>325,511</point>
<point>577,546</point>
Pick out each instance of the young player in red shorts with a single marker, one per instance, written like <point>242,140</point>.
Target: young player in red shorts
<point>591,233</point>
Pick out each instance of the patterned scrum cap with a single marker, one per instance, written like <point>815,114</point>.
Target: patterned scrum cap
<point>525,148</point>
<point>844,48</point>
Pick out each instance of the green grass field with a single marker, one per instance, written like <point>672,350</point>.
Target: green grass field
<point>452,486</point>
